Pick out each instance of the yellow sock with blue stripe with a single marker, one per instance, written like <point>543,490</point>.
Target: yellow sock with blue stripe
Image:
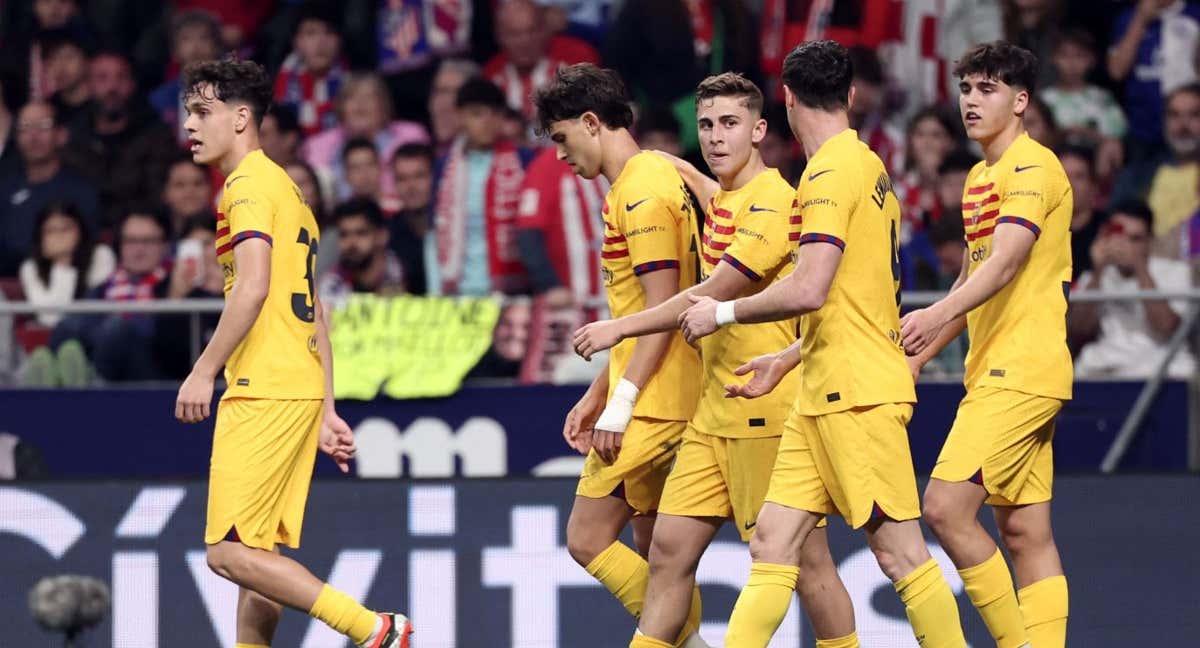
<point>344,614</point>
<point>990,588</point>
<point>931,608</point>
<point>1044,608</point>
<point>761,606</point>
<point>848,641</point>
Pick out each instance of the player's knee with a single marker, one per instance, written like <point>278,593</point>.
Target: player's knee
<point>667,556</point>
<point>939,511</point>
<point>219,560</point>
<point>897,559</point>
<point>229,561</point>
<point>768,545</point>
<point>1021,536</point>
<point>583,546</point>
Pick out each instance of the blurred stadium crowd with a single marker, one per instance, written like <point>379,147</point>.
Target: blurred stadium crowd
<point>407,125</point>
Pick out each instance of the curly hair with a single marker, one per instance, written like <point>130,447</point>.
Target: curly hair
<point>819,74</point>
<point>581,88</point>
<point>232,81</point>
<point>1012,64</point>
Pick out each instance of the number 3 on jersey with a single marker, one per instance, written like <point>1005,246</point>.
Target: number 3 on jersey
<point>302,303</point>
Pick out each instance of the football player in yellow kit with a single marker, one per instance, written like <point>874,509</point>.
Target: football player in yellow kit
<point>1012,298</point>
<point>272,341</point>
<point>724,465</point>
<point>845,445</point>
<point>630,421</point>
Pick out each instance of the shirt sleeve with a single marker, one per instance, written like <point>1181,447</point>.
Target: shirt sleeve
<point>249,212</point>
<point>650,228</point>
<point>760,241</point>
<point>825,207</point>
<point>1025,201</point>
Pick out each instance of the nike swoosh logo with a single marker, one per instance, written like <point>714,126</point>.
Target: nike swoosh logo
<point>234,179</point>
<point>632,206</point>
<point>754,209</point>
<point>1025,168</point>
<point>751,525</point>
<point>818,174</point>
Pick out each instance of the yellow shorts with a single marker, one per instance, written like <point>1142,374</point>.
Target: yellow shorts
<point>647,451</point>
<point>1001,439</point>
<point>720,477</point>
<point>854,463</point>
<point>262,463</point>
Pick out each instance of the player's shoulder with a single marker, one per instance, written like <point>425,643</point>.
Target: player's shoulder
<point>256,175</point>
<point>771,194</point>
<point>649,175</point>
<point>1034,158</point>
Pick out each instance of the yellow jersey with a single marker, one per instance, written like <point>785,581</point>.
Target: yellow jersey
<point>1019,336</point>
<point>649,225</point>
<point>749,228</point>
<point>278,358</point>
<point>851,352</point>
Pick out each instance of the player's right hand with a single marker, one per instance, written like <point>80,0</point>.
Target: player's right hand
<point>194,399</point>
<point>607,444</point>
<point>577,430</point>
<point>596,337</point>
<point>768,370</point>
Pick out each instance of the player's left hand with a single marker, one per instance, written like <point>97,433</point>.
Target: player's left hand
<point>699,320</point>
<point>194,402</point>
<point>595,337</point>
<point>768,370</point>
<point>607,444</point>
<point>337,440</point>
<point>919,328</point>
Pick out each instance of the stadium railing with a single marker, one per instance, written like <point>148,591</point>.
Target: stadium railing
<point>196,308</point>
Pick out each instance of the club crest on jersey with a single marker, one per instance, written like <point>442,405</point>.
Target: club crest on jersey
<point>607,274</point>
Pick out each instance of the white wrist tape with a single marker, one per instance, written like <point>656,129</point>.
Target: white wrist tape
<point>725,315</point>
<point>619,410</point>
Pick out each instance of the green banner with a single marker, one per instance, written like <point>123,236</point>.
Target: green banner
<point>408,347</point>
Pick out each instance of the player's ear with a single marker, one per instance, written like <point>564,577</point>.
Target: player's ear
<point>789,99</point>
<point>1021,101</point>
<point>242,116</point>
<point>591,123</point>
<point>850,97</point>
<point>759,132</point>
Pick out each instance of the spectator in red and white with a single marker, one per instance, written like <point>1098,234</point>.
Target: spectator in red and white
<point>778,147</point>
<point>658,130</point>
<point>187,193</point>
<point>561,231</point>
<point>1079,163</point>
<point>585,19</point>
<point>240,20</point>
<point>443,115</point>
<point>1168,180</point>
<point>412,35</point>
<point>1130,337</point>
<point>280,135</point>
<point>365,263</point>
<point>364,109</point>
<point>195,36</point>
<point>1153,51</point>
<point>67,260</point>
<point>118,141</point>
<point>311,76</point>
<point>42,178</point>
<point>932,134</point>
<point>529,53</point>
<point>869,110</point>
<point>1087,114</point>
<point>65,64</point>
<point>412,169</point>
<point>472,250</point>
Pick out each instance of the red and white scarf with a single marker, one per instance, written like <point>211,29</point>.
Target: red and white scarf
<point>501,195</point>
<point>313,96</point>
<point>123,286</point>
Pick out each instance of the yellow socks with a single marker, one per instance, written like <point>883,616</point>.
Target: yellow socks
<point>990,588</point>
<point>625,574</point>
<point>344,614</point>
<point>849,641</point>
<point>644,641</point>
<point>246,645</point>
<point>761,606</point>
<point>931,608</point>
<point>1044,607</point>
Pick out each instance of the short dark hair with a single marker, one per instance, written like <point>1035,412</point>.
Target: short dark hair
<point>1012,64</point>
<point>52,40</point>
<point>657,119</point>
<point>958,160</point>
<point>1085,153</point>
<point>731,84</point>
<point>1135,208</point>
<point>819,74</point>
<point>414,150</point>
<point>580,88</point>
<point>285,118</point>
<point>365,207</point>
<point>481,92</point>
<point>947,229</point>
<point>149,212</point>
<point>358,144</point>
<point>322,12</point>
<point>232,80</point>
